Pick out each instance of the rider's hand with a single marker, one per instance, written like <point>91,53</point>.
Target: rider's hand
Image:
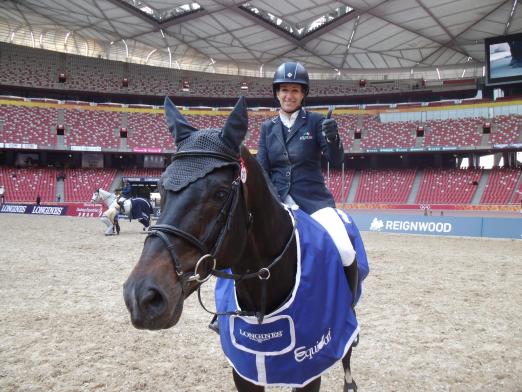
<point>330,130</point>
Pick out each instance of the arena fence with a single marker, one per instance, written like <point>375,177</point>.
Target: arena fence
<point>375,221</point>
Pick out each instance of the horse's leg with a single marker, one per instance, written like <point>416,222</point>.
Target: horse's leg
<point>314,386</point>
<point>117,226</point>
<point>243,385</point>
<point>349,382</point>
<point>145,222</point>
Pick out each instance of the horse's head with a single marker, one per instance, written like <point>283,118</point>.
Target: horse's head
<point>203,221</point>
<point>96,196</point>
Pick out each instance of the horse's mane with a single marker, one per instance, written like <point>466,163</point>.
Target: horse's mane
<point>259,172</point>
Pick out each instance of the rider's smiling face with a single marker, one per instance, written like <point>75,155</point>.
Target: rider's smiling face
<point>290,96</point>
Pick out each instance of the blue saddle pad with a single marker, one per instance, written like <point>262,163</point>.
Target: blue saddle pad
<point>310,332</point>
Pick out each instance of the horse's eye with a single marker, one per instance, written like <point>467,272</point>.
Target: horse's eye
<point>220,195</point>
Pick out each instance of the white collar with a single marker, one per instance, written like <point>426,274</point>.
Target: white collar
<point>288,122</point>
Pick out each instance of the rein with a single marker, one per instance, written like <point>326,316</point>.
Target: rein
<point>163,230</point>
<point>263,274</point>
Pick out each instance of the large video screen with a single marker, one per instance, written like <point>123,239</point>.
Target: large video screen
<point>504,59</point>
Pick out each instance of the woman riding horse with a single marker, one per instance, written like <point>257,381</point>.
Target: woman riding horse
<point>219,216</point>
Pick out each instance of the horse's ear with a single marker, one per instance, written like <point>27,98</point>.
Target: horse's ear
<point>178,125</point>
<point>236,126</point>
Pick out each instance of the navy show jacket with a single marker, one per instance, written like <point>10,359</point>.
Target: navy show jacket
<point>294,165</point>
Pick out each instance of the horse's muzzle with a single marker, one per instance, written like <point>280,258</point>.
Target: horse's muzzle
<point>149,306</point>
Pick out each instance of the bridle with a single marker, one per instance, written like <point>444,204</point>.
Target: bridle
<point>163,231</point>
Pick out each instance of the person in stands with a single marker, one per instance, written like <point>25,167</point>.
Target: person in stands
<point>290,149</point>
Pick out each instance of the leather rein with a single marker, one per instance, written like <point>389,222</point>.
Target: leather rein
<point>163,231</point>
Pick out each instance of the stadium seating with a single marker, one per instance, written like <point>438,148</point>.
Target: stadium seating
<point>507,130</point>
<point>254,128</point>
<point>92,128</point>
<point>90,74</point>
<point>80,184</point>
<point>517,196</point>
<point>21,66</point>
<point>148,130</point>
<point>334,182</point>
<point>28,125</point>
<point>448,186</point>
<point>464,132</point>
<point>37,68</point>
<point>384,186</point>
<point>389,134</point>
<point>347,124</point>
<point>500,186</point>
<point>142,172</point>
<point>25,184</point>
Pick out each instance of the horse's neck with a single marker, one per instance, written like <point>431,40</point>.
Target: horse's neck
<point>108,198</point>
<point>266,243</point>
<point>269,233</point>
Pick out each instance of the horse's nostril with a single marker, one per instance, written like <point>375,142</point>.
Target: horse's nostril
<point>152,302</point>
<point>153,298</point>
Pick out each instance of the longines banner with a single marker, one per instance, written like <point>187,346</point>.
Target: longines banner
<point>69,209</point>
<point>33,209</point>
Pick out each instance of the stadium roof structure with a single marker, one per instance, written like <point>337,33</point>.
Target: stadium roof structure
<point>371,39</point>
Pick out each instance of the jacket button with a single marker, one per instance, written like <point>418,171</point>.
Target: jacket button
<point>288,174</point>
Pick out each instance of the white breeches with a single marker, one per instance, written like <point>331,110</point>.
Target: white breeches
<point>328,218</point>
<point>333,224</point>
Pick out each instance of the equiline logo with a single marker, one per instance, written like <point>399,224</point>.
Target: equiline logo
<point>302,353</point>
<point>306,136</point>
<point>261,337</point>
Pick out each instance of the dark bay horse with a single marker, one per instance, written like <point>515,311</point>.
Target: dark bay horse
<point>220,216</point>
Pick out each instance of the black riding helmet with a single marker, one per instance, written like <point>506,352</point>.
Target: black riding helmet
<point>291,72</point>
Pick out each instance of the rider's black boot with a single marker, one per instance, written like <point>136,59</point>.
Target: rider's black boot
<point>214,326</point>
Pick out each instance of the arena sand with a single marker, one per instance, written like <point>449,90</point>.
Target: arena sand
<point>437,314</point>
